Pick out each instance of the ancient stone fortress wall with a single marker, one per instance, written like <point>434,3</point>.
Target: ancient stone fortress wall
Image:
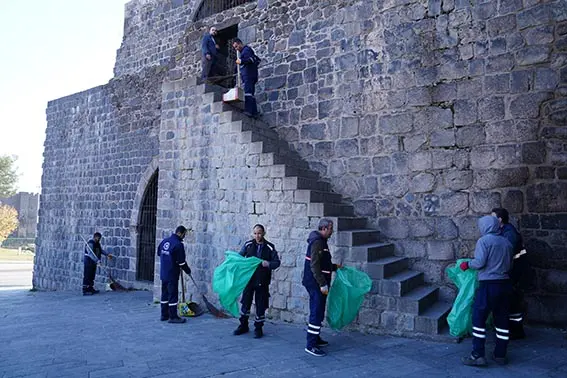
<point>423,115</point>
<point>100,147</point>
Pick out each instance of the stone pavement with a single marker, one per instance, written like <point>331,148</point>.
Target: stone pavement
<point>63,334</point>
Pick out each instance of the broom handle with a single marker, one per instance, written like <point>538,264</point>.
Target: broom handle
<point>182,288</point>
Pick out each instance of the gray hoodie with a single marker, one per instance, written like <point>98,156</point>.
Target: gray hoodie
<point>493,253</point>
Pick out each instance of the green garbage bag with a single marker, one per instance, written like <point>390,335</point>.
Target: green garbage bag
<point>231,277</point>
<point>460,317</point>
<point>346,295</point>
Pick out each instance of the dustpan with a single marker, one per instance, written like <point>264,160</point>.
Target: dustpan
<point>188,308</point>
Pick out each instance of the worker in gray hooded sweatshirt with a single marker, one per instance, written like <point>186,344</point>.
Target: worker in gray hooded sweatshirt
<point>493,260</point>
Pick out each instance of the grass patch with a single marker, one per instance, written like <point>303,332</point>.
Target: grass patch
<point>12,255</point>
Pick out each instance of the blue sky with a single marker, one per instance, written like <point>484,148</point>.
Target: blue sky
<point>50,49</point>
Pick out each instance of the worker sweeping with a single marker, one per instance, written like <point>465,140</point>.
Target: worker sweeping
<point>248,62</point>
<point>259,284</point>
<point>172,259</point>
<point>93,254</point>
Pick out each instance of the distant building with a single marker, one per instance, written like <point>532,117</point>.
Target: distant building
<point>26,204</point>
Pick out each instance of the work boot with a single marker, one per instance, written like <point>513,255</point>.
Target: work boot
<point>500,360</point>
<point>473,361</point>
<point>163,318</point>
<point>243,327</point>
<point>176,320</point>
<point>258,333</point>
<point>314,351</point>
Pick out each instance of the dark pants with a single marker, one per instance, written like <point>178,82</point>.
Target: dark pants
<point>209,67</point>
<point>249,99</point>
<point>169,298</point>
<point>517,313</point>
<point>491,296</point>
<point>89,274</point>
<point>261,296</point>
<point>317,302</point>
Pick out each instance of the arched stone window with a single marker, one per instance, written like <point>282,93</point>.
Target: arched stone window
<point>210,7</point>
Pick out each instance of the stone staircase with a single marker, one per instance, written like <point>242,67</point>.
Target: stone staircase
<point>403,304</point>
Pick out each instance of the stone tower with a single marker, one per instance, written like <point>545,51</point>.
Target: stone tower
<point>403,120</point>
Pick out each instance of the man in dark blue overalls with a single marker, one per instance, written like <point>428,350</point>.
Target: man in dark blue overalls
<point>259,284</point>
<point>93,253</point>
<point>172,259</point>
<point>317,280</point>
<point>210,52</point>
<point>521,274</point>
<point>249,73</point>
<point>493,260</point>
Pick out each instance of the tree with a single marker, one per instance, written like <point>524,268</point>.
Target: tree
<point>8,221</point>
<point>8,176</point>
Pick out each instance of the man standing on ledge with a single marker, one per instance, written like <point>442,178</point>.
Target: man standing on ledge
<point>210,50</point>
<point>172,259</point>
<point>317,279</point>
<point>249,73</point>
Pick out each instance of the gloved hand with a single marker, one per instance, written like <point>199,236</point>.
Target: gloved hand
<point>339,266</point>
<point>325,290</point>
<point>464,266</point>
<point>265,264</point>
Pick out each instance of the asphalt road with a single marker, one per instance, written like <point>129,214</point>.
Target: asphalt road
<point>15,275</point>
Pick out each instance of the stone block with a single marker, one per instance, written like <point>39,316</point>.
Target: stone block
<point>414,143</point>
<point>399,163</point>
<point>422,182</point>
<point>296,38</point>
<point>453,203</point>
<point>396,124</point>
<point>394,185</point>
<point>394,228</point>
<point>468,227</point>
<point>546,79</point>
<point>368,125</point>
<point>547,197</point>
<point>484,202</point>
<point>440,250</point>
<point>482,156</point>
<point>313,131</point>
<point>442,158</point>
<point>446,228</point>
<point>491,108</point>
<point>421,228</point>
<point>533,55</point>
<point>398,321</point>
<point>465,112</point>
<point>346,147</point>
<point>534,16</point>
<point>359,165</point>
<point>381,164</point>
<point>442,138</point>
<point>458,179</point>
<point>433,118</point>
<point>469,136</point>
<point>500,178</point>
<point>444,92</point>
<point>420,161</point>
<point>501,25</point>
<point>366,208</point>
<point>369,317</point>
<point>545,173</point>
<point>500,63</point>
<point>349,127</point>
<point>534,153</point>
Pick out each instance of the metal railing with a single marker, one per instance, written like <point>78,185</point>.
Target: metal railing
<point>210,7</point>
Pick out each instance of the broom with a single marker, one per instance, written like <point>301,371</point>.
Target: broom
<point>212,309</point>
<point>188,308</point>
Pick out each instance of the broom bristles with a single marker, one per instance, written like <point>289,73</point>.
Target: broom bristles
<point>213,310</point>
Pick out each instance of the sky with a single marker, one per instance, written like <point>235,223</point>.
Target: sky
<point>49,49</point>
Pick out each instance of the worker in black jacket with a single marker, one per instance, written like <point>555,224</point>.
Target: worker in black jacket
<point>259,283</point>
<point>317,280</point>
<point>172,259</point>
<point>93,254</point>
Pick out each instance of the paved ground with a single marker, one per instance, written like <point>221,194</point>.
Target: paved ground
<point>15,275</point>
<point>63,334</point>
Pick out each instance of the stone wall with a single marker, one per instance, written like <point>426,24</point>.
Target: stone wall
<point>98,147</point>
<point>425,113</point>
<point>26,205</point>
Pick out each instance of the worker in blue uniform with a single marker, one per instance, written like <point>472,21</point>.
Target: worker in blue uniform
<point>172,259</point>
<point>493,261</point>
<point>317,280</point>
<point>259,284</point>
<point>93,254</point>
<point>248,62</point>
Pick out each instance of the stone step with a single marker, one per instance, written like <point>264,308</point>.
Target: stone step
<point>243,126</point>
<point>212,98</point>
<point>271,158</point>
<point>306,196</point>
<point>210,88</point>
<point>348,223</point>
<point>294,183</point>
<point>371,252</point>
<point>284,170</point>
<point>325,209</point>
<point>418,300</point>
<point>386,267</point>
<point>255,136</point>
<point>231,116</point>
<point>356,237</point>
<point>433,320</point>
<point>219,107</point>
<point>400,283</point>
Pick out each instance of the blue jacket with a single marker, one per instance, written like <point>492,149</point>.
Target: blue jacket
<point>208,45</point>
<point>493,252</point>
<point>262,276</point>
<point>318,264</point>
<point>172,258</point>
<point>513,236</point>
<point>521,274</point>
<point>248,64</point>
